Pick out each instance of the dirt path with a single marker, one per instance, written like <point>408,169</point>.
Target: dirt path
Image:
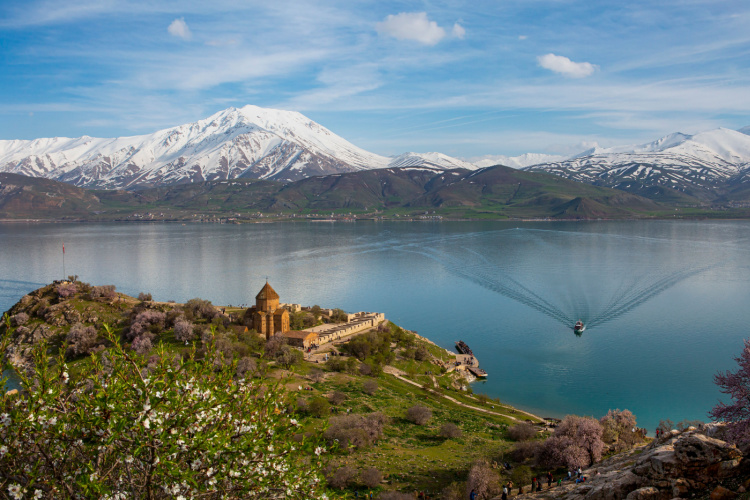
<point>400,375</point>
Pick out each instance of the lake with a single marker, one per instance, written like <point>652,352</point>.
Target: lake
<point>665,302</point>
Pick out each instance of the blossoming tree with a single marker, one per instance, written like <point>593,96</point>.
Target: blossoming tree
<point>173,429</point>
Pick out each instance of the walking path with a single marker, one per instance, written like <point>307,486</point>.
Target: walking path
<point>399,374</point>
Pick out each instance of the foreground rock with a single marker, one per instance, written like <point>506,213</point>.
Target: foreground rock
<point>692,463</point>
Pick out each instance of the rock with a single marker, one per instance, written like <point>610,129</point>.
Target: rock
<point>722,493</point>
<point>12,392</point>
<point>700,450</point>
<point>613,486</point>
<point>647,493</point>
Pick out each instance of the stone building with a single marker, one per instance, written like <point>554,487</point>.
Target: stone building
<point>268,318</point>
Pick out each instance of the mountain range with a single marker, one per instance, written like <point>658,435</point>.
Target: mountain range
<point>249,142</point>
<point>708,168</point>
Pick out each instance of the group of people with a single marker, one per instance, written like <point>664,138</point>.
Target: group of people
<point>537,484</point>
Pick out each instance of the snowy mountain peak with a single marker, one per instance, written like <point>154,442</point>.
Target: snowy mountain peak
<point>250,142</point>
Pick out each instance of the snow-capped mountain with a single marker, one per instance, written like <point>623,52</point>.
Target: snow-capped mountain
<point>250,142</point>
<point>524,160</point>
<point>701,165</point>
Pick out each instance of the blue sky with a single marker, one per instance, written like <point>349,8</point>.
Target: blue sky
<point>464,78</point>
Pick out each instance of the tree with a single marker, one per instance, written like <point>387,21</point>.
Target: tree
<point>319,407</point>
<point>370,386</point>
<point>665,426</point>
<point>371,477</point>
<point>577,442</point>
<point>483,480</point>
<point>181,428</point>
<point>82,339</point>
<point>183,330</point>
<point>521,475</point>
<point>145,297</point>
<point>450,430</point>
<point>523,431</point>
<point>419,414</point>
<point>618,429</point>
<point>737,386</point>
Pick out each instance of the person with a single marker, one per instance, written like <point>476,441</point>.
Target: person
<point>505,493</point>
<point>579,472</point>
<point>569,475</point>
<point>549,479</point>
<point>538,486</point>
<point>473,495</point>
<point>559,482</point>
<point>533,484</point>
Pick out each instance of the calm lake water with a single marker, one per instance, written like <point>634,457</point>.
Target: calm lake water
<point>665,302</point>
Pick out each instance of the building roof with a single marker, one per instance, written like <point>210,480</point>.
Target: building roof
<point>267,293</point>
<point>299,334</point>
<point>280,312</point>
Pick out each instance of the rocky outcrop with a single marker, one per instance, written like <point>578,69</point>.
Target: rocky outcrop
<point>684,464</point>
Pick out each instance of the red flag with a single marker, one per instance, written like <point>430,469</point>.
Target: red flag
<point>63,248</point>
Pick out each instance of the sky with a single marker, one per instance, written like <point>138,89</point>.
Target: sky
<point>465,78</point>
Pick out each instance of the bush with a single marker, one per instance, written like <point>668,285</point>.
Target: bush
<point>144,297</point>
<point>618,429</point>
<point>19,319</point>
<point>200,309</point>
<point>421,353</point>
<point>341,477</point>
<point>104,292</point>
<point>142,344</point>
<point>523,431</point>
<point>521,475</point>
<point>319,407</point>
<point>394,495</point>
<point>148,320</point>
<point>356,430</point>
<point>337,397</point>
<point>82,339</point>
<point>665,426</point>
<point>454,491</point>
<point>419,414</point>
<point>107,430</point>
<point>577,442</point>
<point>371,477</point>
<point>274,344</point>
<point>482,480</point>
<point>246,367</point>
<point>450,431</point>
<point>288,356</point>
<point>66,290</point>
<point>370,386</point>
<point>525,450</point>
<point>183,330</point>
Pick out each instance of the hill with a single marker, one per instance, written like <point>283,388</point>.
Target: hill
<point>493,192</point>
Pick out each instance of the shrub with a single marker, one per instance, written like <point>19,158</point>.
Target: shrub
<point>577,442</point>
<point>302,405</point>
<point>246,367</point>
<point>370,386</point>
<point>82,339</point>
<point>341,477</point>
<point>338,316</point>
<point>142,343</point>
<point>421,353</point>
<point>144,297</point>
<point>148,320</point>
<point>199,308</point>
<point>183,330</point>
<point>104,292</point>
<point>665,426</point>
<point>684,424</point>
<point>521,475</point>
<point>483,480</point>
<point>454,491</point>
<point>337,397</point>
<point>19,319</point>
<point>419,414</point>
<point>525,450</point>
<point>522,432</point>
<point>450,431</point>
<point>274,344</point>
<point>735,413</point>
<point>66,290</point>
<point>288,356</point>
<point>113,436</point>
<point>356,430</point>
<point>371,477</point>
<point>365,369</point>
<point>394,495</point>
<point>618,429</point>
<point>319,407</point>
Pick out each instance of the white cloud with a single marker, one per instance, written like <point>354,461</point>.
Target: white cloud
<point>522,37</point>
<point>179,28</point>
<point>459,31</point>
<point>566,67</point>
<point>412,26</point>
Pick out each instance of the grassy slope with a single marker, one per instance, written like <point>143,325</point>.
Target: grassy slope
<point>411,456</point>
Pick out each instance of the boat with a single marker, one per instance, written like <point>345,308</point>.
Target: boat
<point>477,372</point>
<point>463,348</point>
<point>579,326</point>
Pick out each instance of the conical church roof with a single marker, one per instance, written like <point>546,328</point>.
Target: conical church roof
<point>267,293</point>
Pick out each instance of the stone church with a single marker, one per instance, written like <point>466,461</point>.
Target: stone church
<point>267,317</point>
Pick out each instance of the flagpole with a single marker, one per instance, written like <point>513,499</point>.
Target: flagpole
<point>63,249</point>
